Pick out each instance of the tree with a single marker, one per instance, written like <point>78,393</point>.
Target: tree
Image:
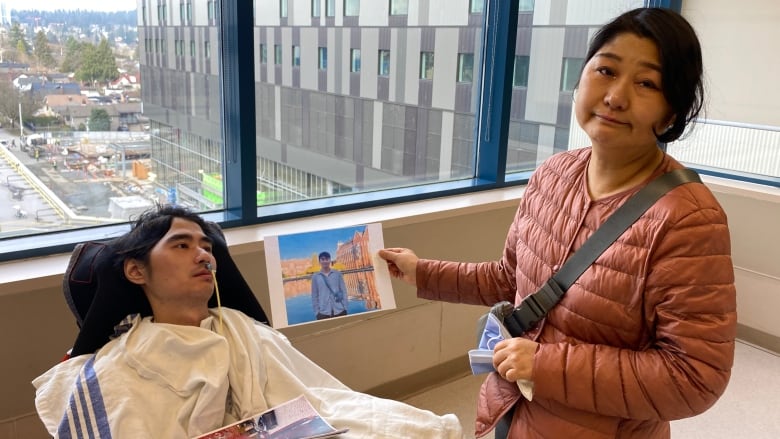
<point>98,64</point>
<point>42,50</point>
<point>99,120</point>
<point>11,98</point>
<point>73,55</point>
<point>16,39</point>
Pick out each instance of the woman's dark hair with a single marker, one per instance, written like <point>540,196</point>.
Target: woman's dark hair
<point>147,230</point>
<point>679,53</point>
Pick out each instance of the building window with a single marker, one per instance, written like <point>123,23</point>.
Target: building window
<point>476,6</point>
<point>520,77</point>
<point>296,56</point>
<point>426,65</point>
<point>322,58</point>
<point>192,48</point>
<point>212,10</point>
<point>354,60</point>
<point>351,8</point>
<point>263,54</point>
<point>189,12</point>
<point>315,8</point>
<point>465,67</point>
<point>526,6</point>
<point>277,54</point>
<point>330,8</point>
<point>570,73</point>
<point>384,63</point>
<point>283,8</point>
<point>207,49</point>
<point>399,7</point>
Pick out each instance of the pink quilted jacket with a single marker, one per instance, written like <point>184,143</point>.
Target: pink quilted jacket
<point>645,335</point>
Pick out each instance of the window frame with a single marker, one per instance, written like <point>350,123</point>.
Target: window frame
<point>461,73</point>
<point>380,71</point>
<point>322,58</point>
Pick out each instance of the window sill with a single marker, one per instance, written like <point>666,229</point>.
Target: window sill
<point>46,271</point>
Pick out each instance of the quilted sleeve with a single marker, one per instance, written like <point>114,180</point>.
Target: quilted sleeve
<point>690,308</point>
<point>484,283</point>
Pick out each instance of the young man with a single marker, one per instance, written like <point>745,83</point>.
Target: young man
<point>186,369</point>
<point>328,290</point>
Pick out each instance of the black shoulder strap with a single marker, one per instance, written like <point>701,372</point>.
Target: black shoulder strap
<point>537,305</point>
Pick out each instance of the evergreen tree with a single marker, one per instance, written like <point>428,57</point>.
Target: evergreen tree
<point>99,120</point>
<point>16,39</point>
<point>73,54</point>
<point>98,64</point>
<point>42,50</point>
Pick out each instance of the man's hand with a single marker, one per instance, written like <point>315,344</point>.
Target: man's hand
<point>402,264</point>
<point>514,358</point>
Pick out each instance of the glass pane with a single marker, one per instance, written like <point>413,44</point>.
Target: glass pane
<point>324,132</point>
<point>351,8</point>
<point>465,67</point>
<point>134,126</point>
<point>399,7</point>
<point>548,60</point>
<point>384,63</point>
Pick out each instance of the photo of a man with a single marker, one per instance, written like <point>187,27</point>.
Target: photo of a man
<point>328,291</point>
<point>325,274</point>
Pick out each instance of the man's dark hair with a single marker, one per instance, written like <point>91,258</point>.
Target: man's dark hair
<point>679,53</point>
<point>323,255</point>
<point>149,228</point>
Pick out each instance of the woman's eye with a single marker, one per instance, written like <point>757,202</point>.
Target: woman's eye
<point>181,245</point>
<point>648,84</point>
<point>605,71</point>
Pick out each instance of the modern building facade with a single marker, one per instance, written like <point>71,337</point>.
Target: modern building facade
<point>356,95</point>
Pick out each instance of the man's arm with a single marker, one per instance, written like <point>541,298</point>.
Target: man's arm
<point>343,288</point>
<point>315,295</point>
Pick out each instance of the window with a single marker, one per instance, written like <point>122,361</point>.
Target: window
<point>182,10</point>
<point>426,65</point>
<point>570,73</point>
<point>322,58</point>
<point>283,8</point>
<point>465,67</point>
<point>399,7</point>
<point>308,116</point>
<point>296,56</point>
<point>384,63</point>
<point>520,77</point>
<point>212,9</point>
<point>263,54</point>
<point>354,57</point>
<point>526,6</point>
<point>351,8</point>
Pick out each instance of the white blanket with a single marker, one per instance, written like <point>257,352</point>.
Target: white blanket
<point>171,381</point>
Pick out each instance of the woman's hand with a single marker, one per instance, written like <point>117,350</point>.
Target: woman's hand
<point>402,264</point>
<point>514,358</point>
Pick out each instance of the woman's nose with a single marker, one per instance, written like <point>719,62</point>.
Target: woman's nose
<point>617,96</point>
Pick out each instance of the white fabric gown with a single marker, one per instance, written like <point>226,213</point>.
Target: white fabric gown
<point>173,381</point>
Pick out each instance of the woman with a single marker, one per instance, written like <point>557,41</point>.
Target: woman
<point>646,334</point>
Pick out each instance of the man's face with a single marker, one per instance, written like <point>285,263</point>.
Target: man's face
<point>325,264</point>
<point>176,274</point>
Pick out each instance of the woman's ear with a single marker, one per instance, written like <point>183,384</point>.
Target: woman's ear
<point>135,272</point>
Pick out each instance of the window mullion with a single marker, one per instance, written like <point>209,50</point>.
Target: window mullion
<point>238,110</point>
<point>498,50</point>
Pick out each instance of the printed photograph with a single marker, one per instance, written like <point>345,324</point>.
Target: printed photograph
<point>326,274</point>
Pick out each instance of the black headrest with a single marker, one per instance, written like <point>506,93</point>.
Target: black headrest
<point>100,297</point>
